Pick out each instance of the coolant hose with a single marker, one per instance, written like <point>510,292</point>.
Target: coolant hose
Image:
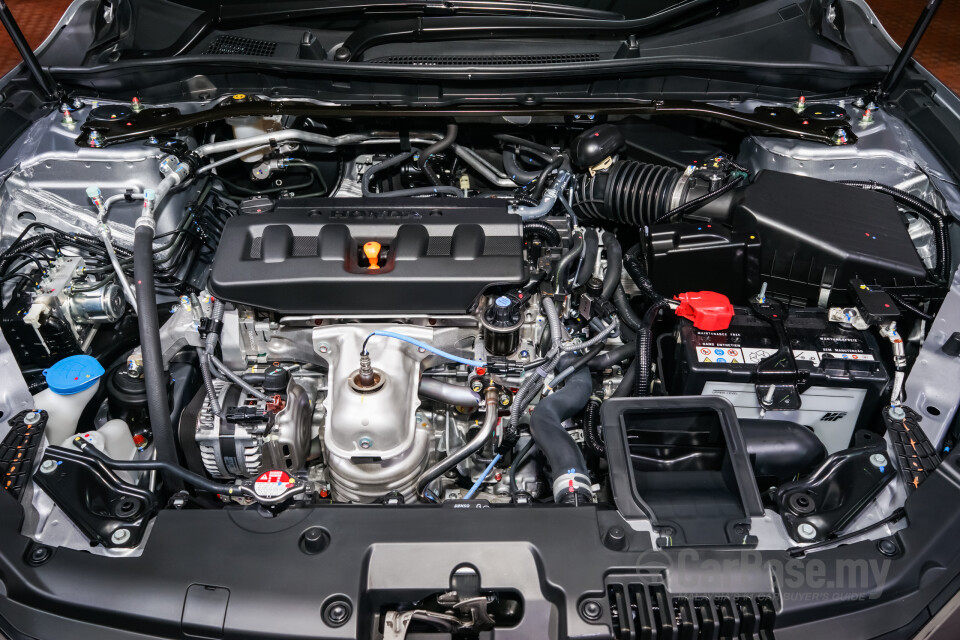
<point>588,262</point>
<point>154,377</point>
<point>566,261</point>
<point>395,161</point>
<point>438,146</point>
<point>512,168</point>
<point>612,357</point>
<point>550,197</point>
<point>571,484</point>
<point>626,313</point>
<point>543,230</point>
<point>611,279</point>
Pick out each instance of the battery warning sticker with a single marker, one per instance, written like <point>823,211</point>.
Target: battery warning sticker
<point>747,355</point>
<point>270,484</point>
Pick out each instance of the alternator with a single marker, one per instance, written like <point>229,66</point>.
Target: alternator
<point>251,434</point>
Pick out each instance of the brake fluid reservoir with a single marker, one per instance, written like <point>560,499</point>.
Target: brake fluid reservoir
<point>71,384</point>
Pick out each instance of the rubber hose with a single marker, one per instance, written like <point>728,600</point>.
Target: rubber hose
<point>563,266</point>
<point>558,446</point>
<point>377,168</point>
<point>154,377</point>
<point>591,247</point>
<point>442,190</point>
<point>626,313</point>
<point>440,145</point>
<point>545,231</point>
<point>577,364</point>
<point>611,279</point>
<point>591,429</point>
<point>512,168</point>
<point>625,388</point>
<point>541,184</point>
<point>630,192</point>
<point>613,357</point>
<point>542,151</point>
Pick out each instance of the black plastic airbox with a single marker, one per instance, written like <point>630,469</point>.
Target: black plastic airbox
<point>800,235</point>
<point>306,257</point>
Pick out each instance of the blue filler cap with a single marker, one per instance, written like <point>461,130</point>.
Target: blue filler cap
<point>73,375</point>
<point>503,301</point>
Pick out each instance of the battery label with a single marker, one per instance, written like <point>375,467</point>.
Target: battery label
<point>755,346</point>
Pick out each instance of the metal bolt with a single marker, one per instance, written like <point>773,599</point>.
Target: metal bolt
<point>32,417</point>
<point>365,443</point>
<point>477,385</point>
<point>878,460</point>
<point>762,296</point>
<point>524,355</point>
<point>323,347</point>
<point>48,466</point>
<point>807,531</point>
<point>153,140</point>
<point>95,139</point>
<point>504,399</point>
<point>897,413</point>
<point>120,536</point>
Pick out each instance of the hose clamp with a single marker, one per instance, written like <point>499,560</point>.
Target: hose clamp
<point>146,221</point>
<point>571,482</point>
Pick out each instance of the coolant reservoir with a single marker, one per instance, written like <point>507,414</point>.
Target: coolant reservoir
<point>248,126</point>
<point>113,439</point>
<point>71,384</point>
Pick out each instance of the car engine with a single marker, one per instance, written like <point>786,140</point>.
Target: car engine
<point>707,327</point>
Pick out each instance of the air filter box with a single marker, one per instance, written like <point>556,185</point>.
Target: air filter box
<point>800,235</point>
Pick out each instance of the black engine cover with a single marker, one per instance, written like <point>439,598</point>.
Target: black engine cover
<point>307,257</point>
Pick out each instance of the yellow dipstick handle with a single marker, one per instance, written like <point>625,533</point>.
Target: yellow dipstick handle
<point>372,251</point>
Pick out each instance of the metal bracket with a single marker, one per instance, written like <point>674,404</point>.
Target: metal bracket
<point>106,509</point>
<point>779,382</point>
<point>815,508</point>
<point>833,129</point>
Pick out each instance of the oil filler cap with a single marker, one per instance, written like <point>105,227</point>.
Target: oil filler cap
<point>708,310</point>
<point>73,375</point>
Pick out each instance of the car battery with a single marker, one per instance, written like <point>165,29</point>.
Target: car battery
<point>840,375</point>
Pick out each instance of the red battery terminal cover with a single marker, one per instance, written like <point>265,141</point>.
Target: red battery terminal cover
<point>708,310</point>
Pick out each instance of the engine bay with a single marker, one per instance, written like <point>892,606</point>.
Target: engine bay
<point>706,327</point>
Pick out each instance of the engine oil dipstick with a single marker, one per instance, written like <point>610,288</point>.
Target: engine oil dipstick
<point>372,251</point>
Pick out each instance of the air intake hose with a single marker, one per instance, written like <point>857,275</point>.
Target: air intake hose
<point>630,192</point>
